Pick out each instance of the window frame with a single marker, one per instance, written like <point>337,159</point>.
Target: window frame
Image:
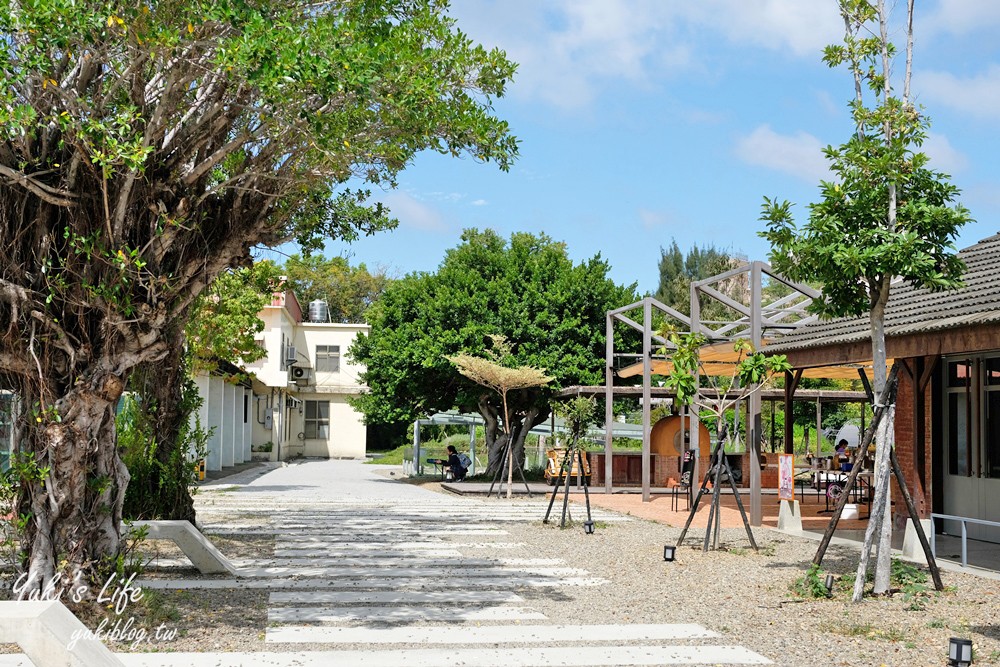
<point>312,426</point>
<point>979,387</point>
<point>329,355</point>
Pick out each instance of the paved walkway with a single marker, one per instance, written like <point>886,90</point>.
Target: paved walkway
<point>386,573</point>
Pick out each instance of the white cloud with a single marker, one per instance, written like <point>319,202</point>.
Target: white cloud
<point>803,27</point>
<point>480,202</point>
<point>413,213</point>
<point>568,49</point>
<point>445,196</point>
<point>976,95</point>
<point>799,155</point>
<point>651,219</point>
<point>944,157</point>
<point>960,17</point>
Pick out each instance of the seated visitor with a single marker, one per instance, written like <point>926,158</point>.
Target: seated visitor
<point>843,459</point>
<point>454,465</point>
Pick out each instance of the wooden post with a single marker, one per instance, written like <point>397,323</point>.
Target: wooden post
<point>609,397</point>
<point>819,426</point>
<point>647,371</point>
<point>753,403</point>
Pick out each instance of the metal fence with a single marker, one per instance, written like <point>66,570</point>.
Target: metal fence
<point>964,521</point>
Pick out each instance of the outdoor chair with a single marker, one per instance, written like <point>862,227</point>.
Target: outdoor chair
<point>682,488</point>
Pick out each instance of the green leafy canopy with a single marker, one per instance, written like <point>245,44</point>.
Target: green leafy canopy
<point>147,147</point>
<point>550,310</point>
<point>851,244</point>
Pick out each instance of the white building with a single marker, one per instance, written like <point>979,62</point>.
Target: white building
<point>296,402</point>
<point>302,385</point>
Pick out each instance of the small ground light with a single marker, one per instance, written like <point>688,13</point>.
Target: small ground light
<point>668,553</point>
<point>829,585</point>
<point>588,527</point>
<point>959,652</point>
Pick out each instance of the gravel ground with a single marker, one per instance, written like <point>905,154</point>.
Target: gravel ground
<point>746,596</point>
<point>743,595</point>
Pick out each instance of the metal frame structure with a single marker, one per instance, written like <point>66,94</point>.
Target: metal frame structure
<point>646,329</point>
<point>754,320</point>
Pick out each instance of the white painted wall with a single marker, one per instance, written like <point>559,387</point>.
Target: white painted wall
<point>213,424</point>
<point>348,435</point>
<point>226,423</point>
<point>246,415</point>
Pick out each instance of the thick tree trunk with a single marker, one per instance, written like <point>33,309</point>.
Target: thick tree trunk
<point>162,491</point>
<point>76,490</point>
<point>496,434</point>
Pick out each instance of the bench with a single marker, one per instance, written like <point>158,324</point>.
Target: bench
<point>46,630</point>
<point>192,542</point>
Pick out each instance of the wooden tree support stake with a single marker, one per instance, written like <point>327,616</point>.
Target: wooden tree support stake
<point>887,398</point>
<point>719,457</point>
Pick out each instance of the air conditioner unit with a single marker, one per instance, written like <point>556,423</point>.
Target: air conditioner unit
<point>290,358</point>
<point>300,375</point>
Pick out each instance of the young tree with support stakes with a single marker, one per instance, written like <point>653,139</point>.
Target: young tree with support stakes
<point>147,147</point>
<point>579,414</point>
<point>750,371</point>
<point>491,372</point>
<point>885,215</point>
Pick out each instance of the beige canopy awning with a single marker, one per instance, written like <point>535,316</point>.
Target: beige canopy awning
<point>718,359</point>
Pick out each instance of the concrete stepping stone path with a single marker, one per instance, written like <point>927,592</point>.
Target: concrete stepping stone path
<point>406,574</point>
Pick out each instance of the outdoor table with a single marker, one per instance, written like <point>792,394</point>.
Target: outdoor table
<point>439,465</point>
<point>861,493</point>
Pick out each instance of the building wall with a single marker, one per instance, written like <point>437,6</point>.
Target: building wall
<point>278,394</point>
<point>347,433</point>
<point>309,335</point>
<point>912,427</point>
<point>222,415</point>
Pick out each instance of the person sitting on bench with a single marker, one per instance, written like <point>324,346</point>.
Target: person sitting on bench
<point>454,465</point>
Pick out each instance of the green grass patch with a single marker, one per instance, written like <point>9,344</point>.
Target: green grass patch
<point>393,457</point>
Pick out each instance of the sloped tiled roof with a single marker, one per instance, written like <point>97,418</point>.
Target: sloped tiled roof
<point>911,310</point>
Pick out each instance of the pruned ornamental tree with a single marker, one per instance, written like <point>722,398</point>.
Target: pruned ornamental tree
<point>492,372</point>
<point>885,214</point>
<point>145,148</point>
<point>550,310</point>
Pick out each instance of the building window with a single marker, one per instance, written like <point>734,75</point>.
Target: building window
<point>317,425</point>
<point>327,358</point>
<point>972,396</point>
<point>991,453</point>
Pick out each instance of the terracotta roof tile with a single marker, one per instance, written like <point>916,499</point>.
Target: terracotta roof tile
<point>911,310</point>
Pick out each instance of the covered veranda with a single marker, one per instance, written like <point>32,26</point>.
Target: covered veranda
<point>759,316</point>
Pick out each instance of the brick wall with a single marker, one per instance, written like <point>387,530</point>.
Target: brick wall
<point>663,467</point>
<point>907,432</point>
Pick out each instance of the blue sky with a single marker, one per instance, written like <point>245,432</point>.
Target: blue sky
<point>643,121</point>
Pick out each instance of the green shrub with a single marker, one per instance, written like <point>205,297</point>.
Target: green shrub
<point>811,584</point>
<point>159,487</point>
